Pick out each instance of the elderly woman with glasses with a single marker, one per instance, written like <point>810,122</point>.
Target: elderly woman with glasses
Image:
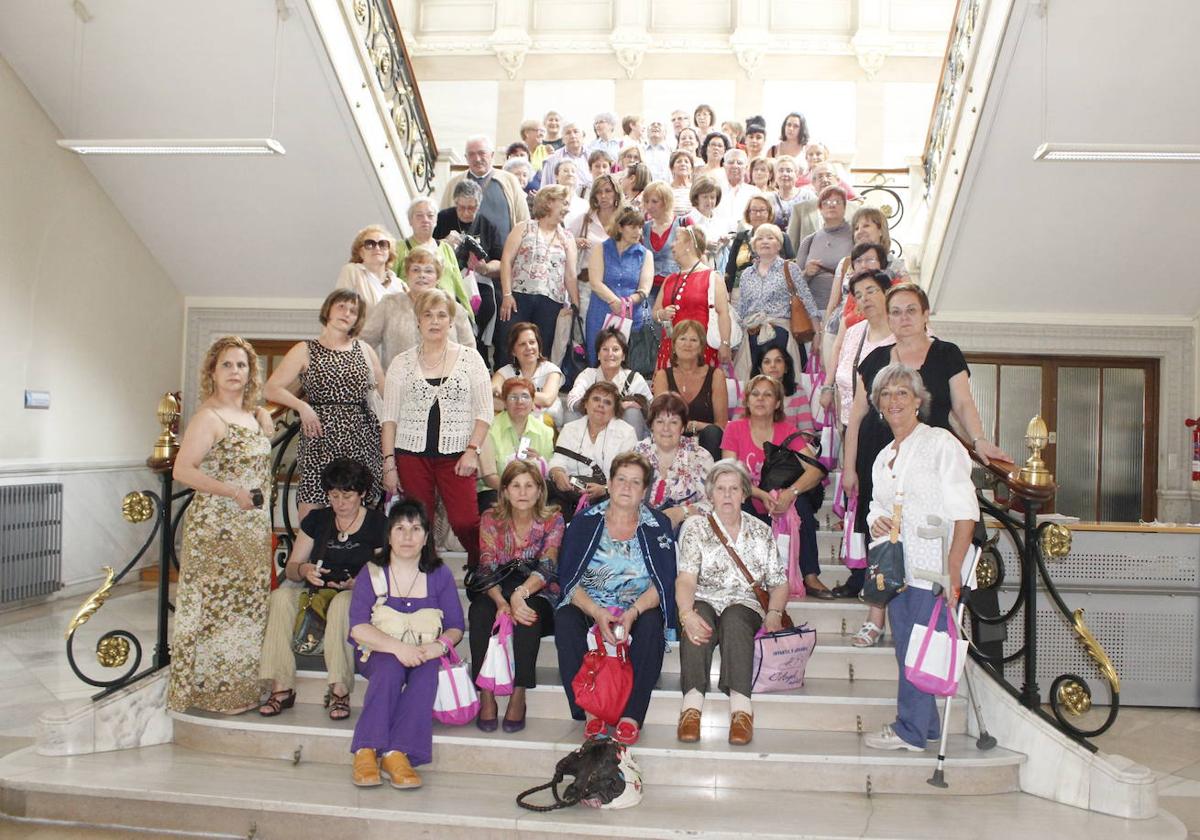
<point>617,572</point>
<point>422,218</point>
<point>679,462</point>
<point>586,448</point>
<point>716,602</point>
<point>513,436</point>
<point>367,272</point>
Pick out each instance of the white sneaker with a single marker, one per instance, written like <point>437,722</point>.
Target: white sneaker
<point>887,739</point>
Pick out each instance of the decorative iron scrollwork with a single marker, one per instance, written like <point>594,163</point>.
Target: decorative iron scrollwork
<point>962,41</point>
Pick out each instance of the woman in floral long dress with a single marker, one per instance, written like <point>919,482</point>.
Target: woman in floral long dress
<point>225,568</point>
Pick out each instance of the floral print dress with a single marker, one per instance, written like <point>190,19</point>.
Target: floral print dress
<point>224,582</point>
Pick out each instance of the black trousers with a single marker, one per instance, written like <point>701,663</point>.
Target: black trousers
<point>646,648</point>
<point>526,640</point>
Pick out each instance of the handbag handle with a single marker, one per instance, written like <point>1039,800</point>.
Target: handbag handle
<point>951,624</point>
<point>622,647</point>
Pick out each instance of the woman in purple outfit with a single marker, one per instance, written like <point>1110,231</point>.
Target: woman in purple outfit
<point>396,724</point>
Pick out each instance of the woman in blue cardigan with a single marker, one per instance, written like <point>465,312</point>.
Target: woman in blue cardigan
<point>617,569</point>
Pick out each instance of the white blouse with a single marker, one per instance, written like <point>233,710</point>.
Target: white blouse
<point>588,378</point>
<point>464,396</point>
<point>617,437</point>
<point>935,471</point>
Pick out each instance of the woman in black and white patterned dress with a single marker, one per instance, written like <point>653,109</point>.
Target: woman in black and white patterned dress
<point>340,377</point>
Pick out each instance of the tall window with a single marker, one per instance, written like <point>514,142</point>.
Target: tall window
<point>1103,418</point>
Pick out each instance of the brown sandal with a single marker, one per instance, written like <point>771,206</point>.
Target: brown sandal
<point>338,705</point>
<point>277,702</point>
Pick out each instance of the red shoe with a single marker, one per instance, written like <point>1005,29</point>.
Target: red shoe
<point>595,727</point>
<point>627,733</point>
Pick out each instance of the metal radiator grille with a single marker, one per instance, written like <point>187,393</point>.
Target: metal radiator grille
<point>1123,560</point>
<point>30,541</point>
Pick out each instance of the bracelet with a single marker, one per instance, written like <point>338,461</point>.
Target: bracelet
<point>774,611</point>
<point>472,448</point>
<point>390,455</point>
<point>445,643</point>
<point>683,616</point>
<point>523,592</point>
<point>725,344</point>
<point>825,388</point>
<point>975,441</point>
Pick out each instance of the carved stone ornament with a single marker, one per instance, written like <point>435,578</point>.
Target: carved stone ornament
<point>511,56</point>
<point>871,61</point>
<point>630,57</point>
<point>749,58</point>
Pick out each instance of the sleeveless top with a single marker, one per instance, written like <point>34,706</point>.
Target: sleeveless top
<point>664,260</point>
<point>701,406</point>
<point>539,267</point>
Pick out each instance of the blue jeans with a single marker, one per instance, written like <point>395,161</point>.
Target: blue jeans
<point>537,309</point>
<point>916,712</point>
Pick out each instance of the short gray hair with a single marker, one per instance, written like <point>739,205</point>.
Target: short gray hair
<point>479,138</point>
<point>897,373</point>
<point>727,466</point>
<point>733,153</point>
<point>468,189</point>
<point>513,164</point>
<point>605,116</point>
<point>417,202</point>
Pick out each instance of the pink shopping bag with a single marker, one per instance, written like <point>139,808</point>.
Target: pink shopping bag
<point>496,673</point>
<point>781,658</point>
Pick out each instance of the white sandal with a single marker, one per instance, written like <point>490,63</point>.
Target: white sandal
<point>869,635</point>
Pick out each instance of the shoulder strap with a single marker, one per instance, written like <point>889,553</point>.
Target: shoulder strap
<point>857,359</point>
<point>787,275</point>
<point>379,582</point>
<point>575,456</point>
<point>737,561</point>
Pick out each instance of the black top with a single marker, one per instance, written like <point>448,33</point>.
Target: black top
<point>342,560</point>
<point>734,266</point>
<point>942,363</point>
<point>701,406</point>
<point>482,229</point>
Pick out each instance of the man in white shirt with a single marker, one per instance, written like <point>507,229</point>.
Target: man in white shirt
<point>573,151</point>
<point>736,196</point>
<point>656,154</point>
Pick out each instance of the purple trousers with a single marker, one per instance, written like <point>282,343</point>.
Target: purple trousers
<point>397,711</point>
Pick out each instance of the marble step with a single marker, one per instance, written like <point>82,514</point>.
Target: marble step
<point>172,788</point>
<point>821,705</point>
<point>776,760</point>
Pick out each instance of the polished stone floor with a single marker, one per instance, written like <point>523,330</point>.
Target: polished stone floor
<point>35,673</point>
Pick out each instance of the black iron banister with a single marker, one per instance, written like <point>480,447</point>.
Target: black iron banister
<point>1030,539</point>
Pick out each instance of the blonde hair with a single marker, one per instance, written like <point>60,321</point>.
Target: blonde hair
<point>542,510</point>
<point>431,298</point>
<point>664,193</point>
<point>764,230</point>
<point>420,254</point>
<point>776,388</point>
<point>541,201</point>
<point>253,389</point>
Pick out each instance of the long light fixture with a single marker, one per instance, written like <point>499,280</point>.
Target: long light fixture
<point>239,146</point>
<point>1117,153</point>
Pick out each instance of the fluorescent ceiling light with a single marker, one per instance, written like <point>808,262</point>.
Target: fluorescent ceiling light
<point>253,146</point>
<point>1117,153</point>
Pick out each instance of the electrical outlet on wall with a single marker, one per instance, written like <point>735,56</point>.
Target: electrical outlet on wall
<point>37,399</point>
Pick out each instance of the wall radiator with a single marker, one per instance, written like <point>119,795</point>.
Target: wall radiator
<point>30,541</point>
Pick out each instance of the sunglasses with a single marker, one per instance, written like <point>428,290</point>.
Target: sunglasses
<point>372,244</point>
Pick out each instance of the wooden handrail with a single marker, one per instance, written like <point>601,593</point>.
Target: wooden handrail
<point>1009,473</point>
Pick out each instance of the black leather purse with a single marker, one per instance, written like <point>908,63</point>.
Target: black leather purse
<point>783,468</point>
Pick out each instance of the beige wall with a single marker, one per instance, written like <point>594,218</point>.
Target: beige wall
<point>86,312</point>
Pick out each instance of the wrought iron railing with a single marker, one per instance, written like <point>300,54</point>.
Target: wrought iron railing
<point>950,89</point>
<point>379,30</point>
<point>166,507</point>
<point>1018,496</point>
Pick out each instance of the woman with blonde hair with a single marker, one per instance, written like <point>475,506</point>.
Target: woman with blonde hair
<point>537,270</point>
<point>658,200</point>
<point>367,272</point>
<point>340,377</point>
<point>224,576</point>
<point>518,553</point>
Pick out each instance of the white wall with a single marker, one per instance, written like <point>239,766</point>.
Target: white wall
<point>87,314</point>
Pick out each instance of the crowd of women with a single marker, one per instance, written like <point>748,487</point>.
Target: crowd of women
<point>596,502</point>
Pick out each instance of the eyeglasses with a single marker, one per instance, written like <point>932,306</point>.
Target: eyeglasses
<point>832,202</point>
<point>522,396</point>
<point>372,244</point>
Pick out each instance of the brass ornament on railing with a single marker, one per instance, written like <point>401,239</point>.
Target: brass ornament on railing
<point>987,572</point>
<point>1096,651</point>
<point>1055,540</point>
<point>167,445</point>
<point>112,651</point>
<point>1074,696</point>
<point>1037,437</point>
<point>94,602</point>
<point>137,507</point>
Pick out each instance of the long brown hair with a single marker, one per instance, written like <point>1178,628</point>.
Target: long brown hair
<point>542,510</point>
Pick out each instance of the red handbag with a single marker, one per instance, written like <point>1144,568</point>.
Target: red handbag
<point>604,683</point>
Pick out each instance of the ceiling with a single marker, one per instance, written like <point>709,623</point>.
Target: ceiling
<point>276,227</point>
<point>1063,238</point>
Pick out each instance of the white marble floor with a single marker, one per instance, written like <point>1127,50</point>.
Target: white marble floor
<point>35,673</point>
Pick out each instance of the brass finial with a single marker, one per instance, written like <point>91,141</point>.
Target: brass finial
<point>167,445</point>
<point>1036,438</point>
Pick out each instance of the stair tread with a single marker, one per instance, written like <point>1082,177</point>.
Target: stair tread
<point>564,735</point>
<point>170,776</point>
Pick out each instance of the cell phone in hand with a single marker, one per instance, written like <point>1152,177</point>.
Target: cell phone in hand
<point>256,497</point>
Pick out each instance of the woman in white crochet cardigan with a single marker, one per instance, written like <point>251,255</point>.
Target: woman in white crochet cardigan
<point>437,406</point>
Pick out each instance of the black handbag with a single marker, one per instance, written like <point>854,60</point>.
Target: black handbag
<point>644,342</point>
<point>885,559</point>
<point>574,361</point>
<point>783,468</point>
<point>605,776</point>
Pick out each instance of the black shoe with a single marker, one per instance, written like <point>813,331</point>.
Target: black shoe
<point>820,594</point>
<point>844,591</point>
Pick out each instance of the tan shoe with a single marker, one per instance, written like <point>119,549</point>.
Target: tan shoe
<point>366,768</point>
<point>741,728</point>
<point>688,730</point>
<point>400,772</point>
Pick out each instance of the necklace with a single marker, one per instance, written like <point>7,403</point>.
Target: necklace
<point>437,391</point>
<point>344,533</point>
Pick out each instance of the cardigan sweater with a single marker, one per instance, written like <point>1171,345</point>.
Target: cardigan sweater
<point>464,397</point>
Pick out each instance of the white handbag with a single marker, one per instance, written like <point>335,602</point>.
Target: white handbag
<point>935,659</point>
<point>496,674</point>
<point>714,330</point>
